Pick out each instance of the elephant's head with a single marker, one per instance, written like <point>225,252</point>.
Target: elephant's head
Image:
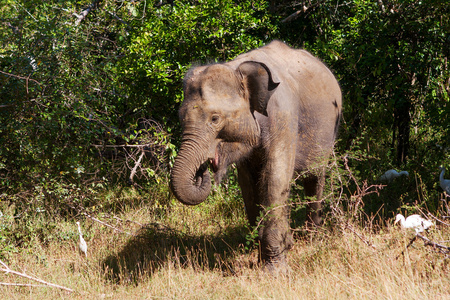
<point>219,126</point>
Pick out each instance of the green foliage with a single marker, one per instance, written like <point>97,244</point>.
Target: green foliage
<point>162,48</point>
<point>70,83</point>
<point>83,99</point>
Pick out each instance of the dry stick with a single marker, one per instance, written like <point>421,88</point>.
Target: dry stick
<point>7,270</point>
<point>437,220</point>
<point>138,163</point>
<point>21,284</point>
<point>121,146</point>
<point>427,242</point>
<point>360,237</point>
<point>85,12</point>
<point>410,243</point>
<point>101,222</point>
<point>433,217</point>
<point>127,220</point>
<point>106,224</point>
<point>20,77</point>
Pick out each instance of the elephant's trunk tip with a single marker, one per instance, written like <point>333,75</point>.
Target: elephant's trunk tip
<point>190,189</point>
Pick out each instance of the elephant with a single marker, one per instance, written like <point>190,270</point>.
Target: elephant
<point>273,112</point>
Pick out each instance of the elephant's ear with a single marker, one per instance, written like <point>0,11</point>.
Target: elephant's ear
<point>258,83</point>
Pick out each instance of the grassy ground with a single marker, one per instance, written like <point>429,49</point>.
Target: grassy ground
<point>179,252</point>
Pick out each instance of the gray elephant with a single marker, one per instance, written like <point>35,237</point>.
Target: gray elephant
<point>273,111</point>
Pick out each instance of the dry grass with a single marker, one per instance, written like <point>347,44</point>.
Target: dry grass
<point>196,253</point>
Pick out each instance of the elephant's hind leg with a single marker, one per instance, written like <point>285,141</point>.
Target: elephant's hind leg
<point>313,185</point>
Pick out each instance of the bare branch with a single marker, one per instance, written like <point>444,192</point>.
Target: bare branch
<point>85,12</point>
<point>361,237</point>
<point>118,18</point>
<point>410,243</point>
<point>138,163</point>
<point>99,221</point>
<point>428,242</point>
<point>7,270</point>
<point>294,15</point>
<point>22,284</point>
<point>120,146</point>
<point>20,77</point>
<point>439,221</point>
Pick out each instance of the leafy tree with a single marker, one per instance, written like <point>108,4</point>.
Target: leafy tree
<point>56,94</point>
<point>172,37</point>
<point>391,59</point>
<point>74,74</point>
<point>82,73</point>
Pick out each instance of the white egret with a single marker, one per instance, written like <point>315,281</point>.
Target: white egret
<point>82,245</point>
<point>392,174</point>
<point>415,222</point>
<point>445,183</point>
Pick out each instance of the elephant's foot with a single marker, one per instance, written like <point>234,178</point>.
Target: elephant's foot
<point>273,257</point>
<point>277,266</point>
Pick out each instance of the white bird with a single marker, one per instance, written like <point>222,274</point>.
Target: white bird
<point>82,245</point>
<point>415,222</point>
<point>445,183</point>
<point>392,174</point>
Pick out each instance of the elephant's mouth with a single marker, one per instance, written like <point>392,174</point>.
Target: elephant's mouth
<point>217,164</point>
<point>214,162</point>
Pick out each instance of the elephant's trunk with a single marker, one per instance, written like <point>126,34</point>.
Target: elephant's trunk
<point>190,178</point>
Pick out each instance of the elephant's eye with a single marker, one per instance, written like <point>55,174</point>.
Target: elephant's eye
<point>215,119</point>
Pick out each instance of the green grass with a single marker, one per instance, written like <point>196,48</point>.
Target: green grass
<point>181,252</point>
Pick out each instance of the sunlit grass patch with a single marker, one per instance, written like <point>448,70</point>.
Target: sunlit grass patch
<point>179,252</point>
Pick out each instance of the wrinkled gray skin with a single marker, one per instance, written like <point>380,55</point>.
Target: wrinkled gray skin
<point>274,112</point>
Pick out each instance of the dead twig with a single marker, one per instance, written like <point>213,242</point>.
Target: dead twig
<point>410,243</point>
<point>360,237</point>
<point>20,77</point>
<point>138,163</point>
<point>99,221</point>
<point>83,14</point>
<point>427,242</point>
<point>437,220</point>
<point>106,224</point>
<point>7,270</point>
<point>121,146</point>
<point>22,284</point>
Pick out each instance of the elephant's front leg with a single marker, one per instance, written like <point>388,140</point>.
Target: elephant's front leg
<point>274,233</point>
<point>249,172</point>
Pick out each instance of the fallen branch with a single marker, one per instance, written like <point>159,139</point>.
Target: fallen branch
<point>99,221</point>
<point>427,242</point>
<point>7,270</point>
<point>107,225</point>
<point>22,284</point>
<point>119,19</point>
<point>294,15</point>
<point>127,220</point>
<point>121,146</point>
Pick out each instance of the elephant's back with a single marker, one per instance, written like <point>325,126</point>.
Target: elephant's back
<point>312,89</point>
<point>308,92</point>
<point>297,70</point>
